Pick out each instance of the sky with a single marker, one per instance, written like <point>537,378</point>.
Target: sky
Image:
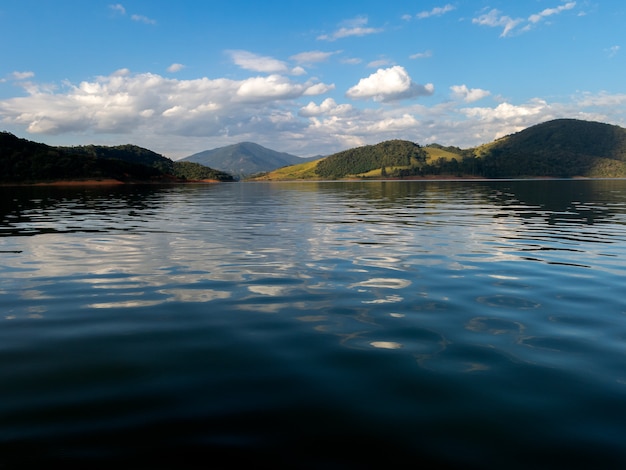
<point>302,77</point>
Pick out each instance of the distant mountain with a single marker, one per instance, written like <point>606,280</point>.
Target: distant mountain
<point>557,148</point>
<point>244,159</point>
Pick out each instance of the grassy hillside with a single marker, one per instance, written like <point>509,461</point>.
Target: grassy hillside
<point>302,171</point>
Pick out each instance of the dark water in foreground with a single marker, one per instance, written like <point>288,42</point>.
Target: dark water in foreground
<point>314,325</point>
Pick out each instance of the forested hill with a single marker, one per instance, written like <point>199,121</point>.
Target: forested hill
<point>557,148</point>
<point>389,157</point>
<point>24,161</point>
<point>562,147</point>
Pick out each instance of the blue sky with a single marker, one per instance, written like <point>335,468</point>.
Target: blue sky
<point>308,78</point>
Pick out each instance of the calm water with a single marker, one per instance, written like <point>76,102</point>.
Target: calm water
<point>314,325</point>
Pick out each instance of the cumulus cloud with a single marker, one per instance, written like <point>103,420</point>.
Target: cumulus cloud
<point>389,84</point>
<point>354,27</point>
<point>22,75</point>
<point>174,116</point>
<point>123,102</point>
<point>257,63</point>
<point>275,86</point>
<point>508,112</point>
<point>437,11</point>
<point>175,68</point>
<point>328,106</point>
<point>601,100</point>
<point>468,95</point>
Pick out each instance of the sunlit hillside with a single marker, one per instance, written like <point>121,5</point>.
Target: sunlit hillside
<point>301,171</point>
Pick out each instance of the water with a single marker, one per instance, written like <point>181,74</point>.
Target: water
<point>314,325</point>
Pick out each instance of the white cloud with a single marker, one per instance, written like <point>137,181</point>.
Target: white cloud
<point>119,8</point>
<point>421,55</point>
<point>175,68</point>
<point>142,19</point>
<point>328,106</point>
<point>468,95</point>
<point>437,11</point>
<point>507,112</point>
<point>376,64</point>
<point>257,63</point>
<point>389,84</point>
<point>551,11</point>
<point>496,19</point>
<point>311,57</point>
<point>317,89</point>
<point>181,117</point>
<point>601,100</point>
<point>275,86</point>
<point>612,51</point>
<point>22,75</point>
<point>354,27</point>
<point>127,103</point>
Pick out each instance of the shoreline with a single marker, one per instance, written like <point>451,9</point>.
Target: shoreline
<point>108,182</point>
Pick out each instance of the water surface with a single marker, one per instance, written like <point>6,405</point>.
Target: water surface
<point>314,325</point>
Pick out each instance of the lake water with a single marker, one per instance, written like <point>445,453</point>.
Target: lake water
<point>460,324</point>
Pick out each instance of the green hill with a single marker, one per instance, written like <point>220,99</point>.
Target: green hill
<point>557,148</point>
<point>391,158</point>
<point>24,161</point>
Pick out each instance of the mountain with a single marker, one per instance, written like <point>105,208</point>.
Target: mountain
<point>244,159</point>
<point>557,148</point>
<point>24,161</point>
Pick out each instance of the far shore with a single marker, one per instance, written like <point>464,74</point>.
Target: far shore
<point>107,182</point>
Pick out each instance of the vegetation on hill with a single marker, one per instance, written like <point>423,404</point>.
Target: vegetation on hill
<point>128,153</point>
<point>24,161</point>
<point>198,172</point>
<point>301,171</point>
<point>558,148</point>
<point>393,158</point>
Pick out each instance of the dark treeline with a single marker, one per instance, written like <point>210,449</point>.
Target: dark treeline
<point>24,161</point>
